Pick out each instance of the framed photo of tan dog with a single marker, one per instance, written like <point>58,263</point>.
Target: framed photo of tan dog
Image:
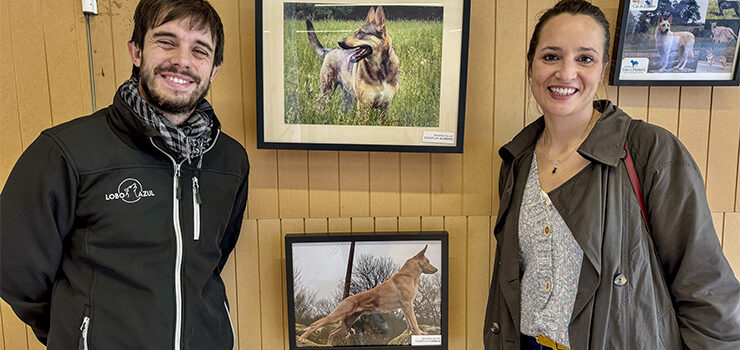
<point>367,291</point>
<point>680,42</point>
<point>353,75</point>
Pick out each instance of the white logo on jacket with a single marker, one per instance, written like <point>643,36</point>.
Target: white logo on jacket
<point>129,191</point>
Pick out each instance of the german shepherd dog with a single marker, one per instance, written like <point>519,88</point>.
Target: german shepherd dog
<point>397,292</point>
<point>364,65</point>
<point>667,40</point>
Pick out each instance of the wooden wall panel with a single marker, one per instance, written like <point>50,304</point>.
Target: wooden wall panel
<point>693,127</point>
<point>11,142</point>
<point>723,149</point>
<point>29,59</point>
<point>478,252</point>
<point>415,196</point>
<point>446,184</point>
<point>634,101</point>
<point>386,224</point>
<point>385,184</point>
<point>249,289</point>
<point>323,183</point>
<point>479,116</point>
<point>101,36</point>
<point>731,245</point>
<point>69,95</point>
<point>293,183</point>
<point>354,184</point>
<point>226,90</point>
<point>663,107</point>
<point>457,228</point>
<point>271,283</point>
<point>510,85</point>
<point>718,219</point>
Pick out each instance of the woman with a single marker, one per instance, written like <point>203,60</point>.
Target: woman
<point>576,265</point>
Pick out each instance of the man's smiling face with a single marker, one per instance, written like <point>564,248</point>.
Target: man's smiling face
<point>176,66</point>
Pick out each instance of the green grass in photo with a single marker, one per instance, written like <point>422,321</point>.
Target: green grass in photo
<point>418,45</point>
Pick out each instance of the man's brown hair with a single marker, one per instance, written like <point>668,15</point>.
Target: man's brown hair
<point>154,13</point>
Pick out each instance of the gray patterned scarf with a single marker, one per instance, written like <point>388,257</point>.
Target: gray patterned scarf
<point>186,141</point>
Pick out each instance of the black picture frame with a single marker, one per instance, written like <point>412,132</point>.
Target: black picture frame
<point>315,262</point>
<point>291,114</point>
<point>642,57</point>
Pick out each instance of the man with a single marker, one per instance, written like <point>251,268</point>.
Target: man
<point>116,226</point>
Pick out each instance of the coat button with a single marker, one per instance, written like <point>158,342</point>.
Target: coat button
<point>547,230</point>
<point>620,280</point>
<point>495,328</point>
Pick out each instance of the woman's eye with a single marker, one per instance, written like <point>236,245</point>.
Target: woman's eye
<point>550,57</point>
<point>586,59</point>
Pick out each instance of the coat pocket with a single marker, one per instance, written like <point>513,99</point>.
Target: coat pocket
<point>670,335</point>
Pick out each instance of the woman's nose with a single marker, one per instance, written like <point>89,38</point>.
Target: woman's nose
<point>566,71</point>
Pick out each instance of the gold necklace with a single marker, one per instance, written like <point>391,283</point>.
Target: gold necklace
<point>556,163</point>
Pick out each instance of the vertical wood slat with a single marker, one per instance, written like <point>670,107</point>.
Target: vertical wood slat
<point>415,182</point>
<point>249,287</point>
<point>718,219</point>
<point>363,225</point>
<point>477,166</point>
<point>663,107</point>
<point>29,59</point>
<point>385,184</point>
<point>289,226</point>
<point>723,149</point>
<point>457,228</point>
<point>293,183</point>
<point>633,100</point>
<point>386,224</point>
<point>732,241</point>
<point>14,331</point>
<point>693,127</point>
<point>510,84</point>
<point>446,184</point>
<point>11,143</point>
<point>226,89</point>
<point>122,25</point>
<point>271,283</point>
<point>323,183</point>
<point>101,37</point>
<point>478,251</point>
<point>66,91</point>
<point>354,184</point>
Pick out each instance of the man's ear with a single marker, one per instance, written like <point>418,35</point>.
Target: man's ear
<point>135,52</point>
<point>215,71</point>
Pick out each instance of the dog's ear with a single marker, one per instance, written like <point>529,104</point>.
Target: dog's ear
<point>670,19</point>
<point>660,18</point>
<point>421,253</point>
<point>380,17</point>
<point>371,15</point>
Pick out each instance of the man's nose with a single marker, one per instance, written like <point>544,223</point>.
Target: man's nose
<point>181,57</point>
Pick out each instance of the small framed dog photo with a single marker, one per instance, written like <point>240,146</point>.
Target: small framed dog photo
<point>367,291</point>
<point>358,75</point>
<point>676,42</point>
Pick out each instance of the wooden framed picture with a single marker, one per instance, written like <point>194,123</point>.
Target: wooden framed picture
<point>345,75</point>
<point>367,291</point>
<point>676,42</point>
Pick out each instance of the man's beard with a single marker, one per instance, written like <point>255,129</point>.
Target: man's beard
<point>162,103</point>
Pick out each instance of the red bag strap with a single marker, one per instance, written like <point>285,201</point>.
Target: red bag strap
<point>636,184</point>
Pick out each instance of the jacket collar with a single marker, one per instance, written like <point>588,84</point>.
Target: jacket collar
<point>604,144</point>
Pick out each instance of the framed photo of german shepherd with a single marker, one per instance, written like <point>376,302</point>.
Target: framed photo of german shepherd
<point>367,291</point>
<point>351,75</point>
<point>676,42</point>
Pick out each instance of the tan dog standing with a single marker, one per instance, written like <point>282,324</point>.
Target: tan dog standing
<point>397,292</point>
<point>365,64</point>
<point>667,40</point>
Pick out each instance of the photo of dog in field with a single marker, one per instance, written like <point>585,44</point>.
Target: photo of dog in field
<point>668,42</point>
<point>394,293</point>
<point>362,65</point>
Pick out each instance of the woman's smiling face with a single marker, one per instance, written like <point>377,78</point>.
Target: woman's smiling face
<point>568,65</point>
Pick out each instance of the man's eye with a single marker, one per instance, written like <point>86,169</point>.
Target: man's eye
<point>166,43</point>
<point>201,53</point>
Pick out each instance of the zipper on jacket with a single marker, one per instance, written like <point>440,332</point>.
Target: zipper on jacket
<point>233,334</point>
<point>83,329</point>
<point>177,194</point>
<point>196,209</point>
